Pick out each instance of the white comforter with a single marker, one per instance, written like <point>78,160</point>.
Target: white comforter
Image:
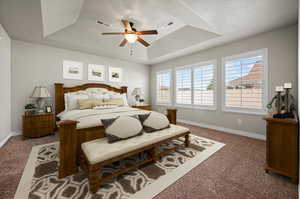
<point>91,117</point>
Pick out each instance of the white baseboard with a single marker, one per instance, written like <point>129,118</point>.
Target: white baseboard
<point>6,139</point>
<point>16,133</point>
<point>226,130</point>
<point>11,134</point>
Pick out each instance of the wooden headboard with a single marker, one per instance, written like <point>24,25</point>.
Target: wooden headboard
<point>60,91</point>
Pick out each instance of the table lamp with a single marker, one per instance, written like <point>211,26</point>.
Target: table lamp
<point>137,92</point>
<point>40,93</point>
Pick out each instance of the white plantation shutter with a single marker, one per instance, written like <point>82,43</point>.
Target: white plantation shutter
<point>245,82</point>
<point>195,85</point>
<point>183,86</point>
<point>163,87</point>
<point>204,85</point>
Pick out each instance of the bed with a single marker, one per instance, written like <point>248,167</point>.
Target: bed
<point>81,126</point>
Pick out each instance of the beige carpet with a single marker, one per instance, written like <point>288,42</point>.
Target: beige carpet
<point>39,180</point>
<point>235,171</point>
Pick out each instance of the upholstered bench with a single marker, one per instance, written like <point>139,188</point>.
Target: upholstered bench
<point>99,152</point>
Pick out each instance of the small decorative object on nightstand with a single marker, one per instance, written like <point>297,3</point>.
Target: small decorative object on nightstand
<point>40,93</point>
<point>143,107</point>
<point>38,125</point>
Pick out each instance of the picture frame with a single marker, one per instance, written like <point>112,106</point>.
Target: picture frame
<point>72,70</point>
<point>48,109</point>
<point>96,72</point>
<point>115,74</point>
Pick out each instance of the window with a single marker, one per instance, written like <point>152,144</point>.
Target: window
<point>163,87</point>
<point>245,82</point>
<point>195,85</point>
<point>184,86</point>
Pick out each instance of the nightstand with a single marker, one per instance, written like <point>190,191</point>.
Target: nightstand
<point>38,125</point>
<point>143,107</point>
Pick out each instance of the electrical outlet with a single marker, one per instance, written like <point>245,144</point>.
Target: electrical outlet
<point>239,121</point>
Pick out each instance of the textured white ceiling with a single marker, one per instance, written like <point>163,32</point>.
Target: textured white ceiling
<point>197,24</point>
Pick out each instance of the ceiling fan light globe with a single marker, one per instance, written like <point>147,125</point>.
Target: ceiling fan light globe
<point>131,38</point>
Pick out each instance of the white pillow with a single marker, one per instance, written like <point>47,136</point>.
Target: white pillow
<point>123,96</point>
<point>154,121</point>
<point>99,96</point>
<point>122,127</point>
<point>97,90</point>
<point>71,100</point>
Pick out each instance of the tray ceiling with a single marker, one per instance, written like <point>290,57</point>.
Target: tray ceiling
<point>184,26</point>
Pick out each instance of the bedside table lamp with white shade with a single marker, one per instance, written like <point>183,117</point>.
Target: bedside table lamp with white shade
<point>40,93</point>
<point>137,93</point>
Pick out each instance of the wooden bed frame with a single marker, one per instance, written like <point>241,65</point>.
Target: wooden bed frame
<point>71,138</point>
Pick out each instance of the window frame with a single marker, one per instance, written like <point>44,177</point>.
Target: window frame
<point>171,87</point>
<point>264,53</point>
<point>192,105</point>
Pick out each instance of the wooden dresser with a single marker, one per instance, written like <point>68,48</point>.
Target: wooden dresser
<point>282,147</point>
<point>38,125</point>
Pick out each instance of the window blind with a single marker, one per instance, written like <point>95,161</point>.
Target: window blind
<point>183,86</point>
<point>204,85</point>
<point>163,92</point>
<point>244,82</point>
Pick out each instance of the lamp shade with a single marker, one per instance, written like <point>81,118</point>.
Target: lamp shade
<point>40,92</point>
<point>137,91</point>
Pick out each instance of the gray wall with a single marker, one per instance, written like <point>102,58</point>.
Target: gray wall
<point>282,49</point>
<point>5,85</point>
<point>34,65</point>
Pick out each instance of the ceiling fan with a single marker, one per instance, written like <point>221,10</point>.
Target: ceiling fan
<point>131,34</point>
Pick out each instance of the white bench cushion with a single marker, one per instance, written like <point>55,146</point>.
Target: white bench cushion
<point>99,150</point>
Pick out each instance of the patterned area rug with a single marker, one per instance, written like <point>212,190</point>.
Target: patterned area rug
<point>40,177</point>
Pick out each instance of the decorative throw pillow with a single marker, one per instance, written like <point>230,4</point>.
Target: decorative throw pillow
<point>98,102</point>
<point>105,106</point>
<point>86,103</point>
<point>122,127</point>
<point>117,101</point>
<point>122,96</point>
<point>71,100</point>
<point>154,121</point>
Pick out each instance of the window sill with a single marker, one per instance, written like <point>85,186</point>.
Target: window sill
<point>158,104</point>
<point>196,107</point>
<point>248,112</point>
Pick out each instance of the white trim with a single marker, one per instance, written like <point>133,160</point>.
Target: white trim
<point>226,130</point>
<point>188,106</point>
<point>10,134</point>
<point>264,53</point>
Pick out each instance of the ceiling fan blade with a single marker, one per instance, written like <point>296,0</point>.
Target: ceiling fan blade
<point>113,33</point>
<point>143,42</point>
<point>147,32</point>
<point>123,43</point>
<point>127,25</point>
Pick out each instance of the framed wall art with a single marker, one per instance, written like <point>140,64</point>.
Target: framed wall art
<point>96,72</point>
<point>115,74</point>
<point>72,70</point>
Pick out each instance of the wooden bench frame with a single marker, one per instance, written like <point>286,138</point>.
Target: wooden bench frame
<point>93,170</point>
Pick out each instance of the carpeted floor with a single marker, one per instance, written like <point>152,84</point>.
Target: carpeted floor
<point>236,171</point>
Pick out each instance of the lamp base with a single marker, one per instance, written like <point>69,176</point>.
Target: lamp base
<point>41,104</point>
